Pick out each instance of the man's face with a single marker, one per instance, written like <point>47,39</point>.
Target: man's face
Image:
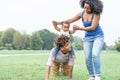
<point>66,48</point>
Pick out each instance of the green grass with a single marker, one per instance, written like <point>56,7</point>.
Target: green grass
<point>23,52</point>
<point>32,67</point>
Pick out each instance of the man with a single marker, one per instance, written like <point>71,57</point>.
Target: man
<point>63,57</point>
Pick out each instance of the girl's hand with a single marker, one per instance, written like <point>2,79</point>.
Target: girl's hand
<point>54,22</point>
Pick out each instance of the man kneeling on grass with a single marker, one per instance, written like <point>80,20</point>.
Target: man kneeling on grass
<point>62,57</point>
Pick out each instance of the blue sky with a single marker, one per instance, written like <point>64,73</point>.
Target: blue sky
<point>32,15</point>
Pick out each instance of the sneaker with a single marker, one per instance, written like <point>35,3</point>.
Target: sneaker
<point>97,78</point>
<point>92,78</point>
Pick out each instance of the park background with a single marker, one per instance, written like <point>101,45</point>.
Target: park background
<point>27,36</point>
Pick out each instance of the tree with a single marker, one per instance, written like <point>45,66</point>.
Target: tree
<point>104,46</point>
<point>17,41</point>
<point>7,37</point>
<point>26,42</point>
<point>36,41</point>
<point>78,43</point>
<point>48,39</point>
<point>0,38</point>
<point>117,44</point>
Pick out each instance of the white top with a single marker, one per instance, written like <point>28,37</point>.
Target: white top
<point>66,33</point>
<point>60,58</point>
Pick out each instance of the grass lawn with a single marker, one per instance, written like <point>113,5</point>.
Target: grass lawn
<point>32,67</point>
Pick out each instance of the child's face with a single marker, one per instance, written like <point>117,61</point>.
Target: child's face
<point>65,27</point>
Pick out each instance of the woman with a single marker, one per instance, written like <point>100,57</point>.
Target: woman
<point>94,36</point>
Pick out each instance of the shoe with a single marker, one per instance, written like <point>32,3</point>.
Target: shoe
<point>92,78</point>
<point>97,78</point>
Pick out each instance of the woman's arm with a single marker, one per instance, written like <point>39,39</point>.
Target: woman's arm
<point>75,18</point>
<point>71,20</point>
<point>95,22</point>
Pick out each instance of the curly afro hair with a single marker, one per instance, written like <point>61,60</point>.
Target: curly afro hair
<point>61,40</point>
<point>95,5</point>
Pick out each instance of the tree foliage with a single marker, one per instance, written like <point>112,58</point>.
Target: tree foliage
<point>38,40</point>
<point>0,38</point>
<point>7,37</point>
<point>17,41</point>
<point>78,43</point>
<point>47,38</point>
<point>117,44</point>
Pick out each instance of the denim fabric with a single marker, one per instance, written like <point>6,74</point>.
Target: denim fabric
<point>92,49</point>
<point>55,51</point>
<point>72,53</point>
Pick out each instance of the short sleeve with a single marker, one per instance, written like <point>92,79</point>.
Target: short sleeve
<point>71,62</point>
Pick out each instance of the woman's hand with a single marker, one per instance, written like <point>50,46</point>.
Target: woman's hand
<point>75,27</point>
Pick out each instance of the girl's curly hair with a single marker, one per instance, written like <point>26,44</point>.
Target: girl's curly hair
<point>95,5</point>
<point>61,40</point>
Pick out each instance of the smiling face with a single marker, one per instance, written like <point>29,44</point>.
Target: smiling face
<point>63,42</point>
<point>66,48</point>
<point>87,8</point>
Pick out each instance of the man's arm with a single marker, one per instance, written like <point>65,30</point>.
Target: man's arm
<point>71,64</point>
<point>70,72</point>
<point>49,64</point>
<point>47,72</point>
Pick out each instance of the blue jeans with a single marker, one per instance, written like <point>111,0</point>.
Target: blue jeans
<point>92,49</point>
